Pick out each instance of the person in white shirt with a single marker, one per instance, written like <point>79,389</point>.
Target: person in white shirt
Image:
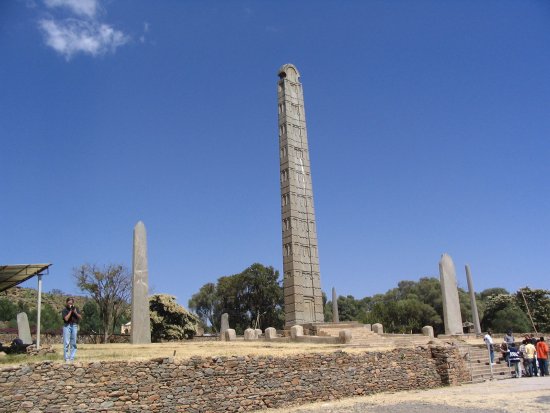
<point>488,339</point>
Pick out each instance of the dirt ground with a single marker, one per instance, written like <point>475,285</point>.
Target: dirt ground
<point>525,395</point>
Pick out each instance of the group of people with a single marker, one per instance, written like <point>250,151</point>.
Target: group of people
<point>529,359</point>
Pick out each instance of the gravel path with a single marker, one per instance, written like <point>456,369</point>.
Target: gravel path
<point>526,395</point>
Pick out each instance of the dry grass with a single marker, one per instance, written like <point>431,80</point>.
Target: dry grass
<point>184,350</point>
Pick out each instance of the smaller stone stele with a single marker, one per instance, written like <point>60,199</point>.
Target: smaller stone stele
<point>428,331</point>
<point>270,333</point>
<point>230,335</point>
<point>258,332</point>
<point>368,327</point>
<point>249,334</point>
<point>296,331</point>
<point>224,326</point>
<point>23,328</point>
<point>378,328</point>
<point>345,336</point>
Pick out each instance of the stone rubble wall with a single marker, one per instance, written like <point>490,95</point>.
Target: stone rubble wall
<point>222,384</point>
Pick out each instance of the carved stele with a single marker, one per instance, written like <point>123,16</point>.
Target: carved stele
<point>449,291</point>
<point>302,281</point>
<point>23,328</point>
<point>224,326</point>
<point>141,322</point>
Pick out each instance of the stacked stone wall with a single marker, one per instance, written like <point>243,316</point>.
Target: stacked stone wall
<point>222,384</point>
<point>450,366</point>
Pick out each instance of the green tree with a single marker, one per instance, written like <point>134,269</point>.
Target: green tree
<point>502,313</point>
<point>493,291</point>
<point>169,320</point>
<point>8,310</point>
<point>206,304</point>
<point>50,320</point>
<point>327,308</point>
<point>91,320</point>
<point>110,288</point>
<point>403,316</point>
<point>538,302</point>
<point>252,298</point>
<point>348,308</point>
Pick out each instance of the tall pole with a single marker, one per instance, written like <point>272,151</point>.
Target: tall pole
<point>38,311</point>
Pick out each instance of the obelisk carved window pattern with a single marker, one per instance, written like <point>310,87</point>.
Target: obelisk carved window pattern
<point>302,281</point>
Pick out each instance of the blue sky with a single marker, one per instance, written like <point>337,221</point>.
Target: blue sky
<point>428,125</point>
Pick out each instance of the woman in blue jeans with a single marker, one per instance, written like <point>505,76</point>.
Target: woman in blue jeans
<point>71,317</point>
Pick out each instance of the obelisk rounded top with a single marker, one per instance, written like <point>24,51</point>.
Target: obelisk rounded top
<point>290,72</point>
<point>140,226</point>
<point>446,258</point>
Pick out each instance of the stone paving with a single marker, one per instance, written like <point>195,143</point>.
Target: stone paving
<point>525,395</point>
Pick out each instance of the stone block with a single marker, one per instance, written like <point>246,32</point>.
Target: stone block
<point>368,327</point>
<point>258,332</point>
<point>230,334</point>
<point>250,334</point>
<point>296,331</point>
<point>378,328</point>
<point>224,326</point>
<point>270,333</point>
<point>428,331</point>
<point>345,336</point>
<point>23,328</point>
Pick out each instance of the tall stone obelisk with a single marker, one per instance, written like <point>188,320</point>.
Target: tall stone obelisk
<point>141,323</point>
<point>335,315</point>
<point>475,315</point>
<point>302,280</point>
<point>449,290</point>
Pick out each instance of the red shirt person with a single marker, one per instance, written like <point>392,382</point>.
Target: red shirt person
<point>542,356</point>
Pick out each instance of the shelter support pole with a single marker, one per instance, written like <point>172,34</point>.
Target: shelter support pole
<point>38,311</point>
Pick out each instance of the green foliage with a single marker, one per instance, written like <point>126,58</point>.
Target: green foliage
<point>502,312</point>
<point>91,320</point>
<point>538,301</point>
<point>252,298</point>
<point>403,316</point>
<point>8,310</point>
<point>348,308</point>
<point>169,320</point>
<point>205,303</point>
<point>110,288</point>
<point>50,319</point>
<point>327,308</point>
<point>493,291</point>
<point>510,317</point>
<point>408,308</point>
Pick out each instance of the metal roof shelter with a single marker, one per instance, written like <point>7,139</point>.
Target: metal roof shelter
<point>12,275</point>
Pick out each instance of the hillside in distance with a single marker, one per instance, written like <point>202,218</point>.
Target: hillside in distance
<point>29,296</point>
